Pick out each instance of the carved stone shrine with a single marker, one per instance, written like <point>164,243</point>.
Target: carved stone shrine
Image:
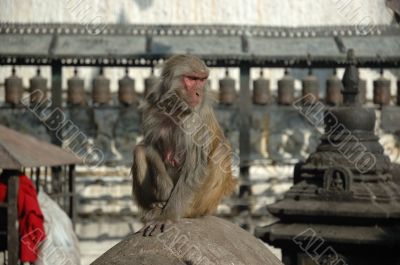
<point>344,206</point>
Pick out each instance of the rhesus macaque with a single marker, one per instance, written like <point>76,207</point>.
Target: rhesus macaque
<point>182,168</point>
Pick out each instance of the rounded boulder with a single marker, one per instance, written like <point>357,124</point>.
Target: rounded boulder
<point>201,241</point>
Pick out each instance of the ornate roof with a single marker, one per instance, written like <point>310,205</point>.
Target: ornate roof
<point>144,45</point>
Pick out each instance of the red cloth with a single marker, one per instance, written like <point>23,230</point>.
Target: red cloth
<point>30,218</point>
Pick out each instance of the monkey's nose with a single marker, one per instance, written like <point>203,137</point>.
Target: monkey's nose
<point>197,94</point>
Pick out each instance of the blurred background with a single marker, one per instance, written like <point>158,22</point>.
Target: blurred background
<point>108,53</point>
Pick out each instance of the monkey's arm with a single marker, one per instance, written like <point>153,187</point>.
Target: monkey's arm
<point>181,195</point>
<point>150,177</point>
<point>175,207</point>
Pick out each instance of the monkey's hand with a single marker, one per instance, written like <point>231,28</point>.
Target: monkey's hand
<point>155,221</point>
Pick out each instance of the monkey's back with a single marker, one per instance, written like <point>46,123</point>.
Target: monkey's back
<point>219,181</point>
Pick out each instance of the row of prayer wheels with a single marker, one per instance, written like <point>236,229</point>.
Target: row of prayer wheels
<point>14,89</point>
<point>101,93</point>
<point>310,85</point>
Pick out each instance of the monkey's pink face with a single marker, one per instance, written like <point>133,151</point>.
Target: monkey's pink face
<point>194,84</point>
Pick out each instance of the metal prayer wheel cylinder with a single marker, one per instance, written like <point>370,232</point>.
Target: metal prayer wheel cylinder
<point>13,89</point>
<point>76,90</point>
<point>101,89</point>
<point>382,91</point>
<point>286,89</point>
<point>126,90</point>
<point>227,92</point>
<point>38,88</point>
<point>333,90</point>
<point>261,90</point>
<point>310,89</point>
<point>149,82</point>
<point>362,91</point>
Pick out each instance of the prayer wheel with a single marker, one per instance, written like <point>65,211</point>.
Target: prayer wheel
<point>261,90</point>
<point>101,94</point>
<point>149,82</point>
<point>13,89</point>
<point>286,89</point>
<point>382,90</point>
<point>75,90</point>
<point>333,90</point>
<point>310,88</point>
<point>227,92</point>
<point>126,90</point>
<point>38,88</point>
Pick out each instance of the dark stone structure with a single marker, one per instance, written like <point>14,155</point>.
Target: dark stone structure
<point>344,205</point>
<point>105,119</point>
<point>23,120</point>
<point>126,132</point>
<point>277,140</point>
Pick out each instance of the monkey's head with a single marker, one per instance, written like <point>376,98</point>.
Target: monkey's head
<point>185,75</point>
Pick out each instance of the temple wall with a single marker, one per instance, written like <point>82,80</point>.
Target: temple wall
<point>363,14</point>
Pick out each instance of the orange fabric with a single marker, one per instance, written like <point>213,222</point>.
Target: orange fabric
<point>30,218</point>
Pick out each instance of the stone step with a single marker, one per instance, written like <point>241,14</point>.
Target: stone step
<point>112,194</point>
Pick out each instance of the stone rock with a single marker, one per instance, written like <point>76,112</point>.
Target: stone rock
<point>207,240</point>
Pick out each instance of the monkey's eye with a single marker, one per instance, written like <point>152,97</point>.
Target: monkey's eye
<point>192,78</point>
<point>196,78</point>
<point>189,81</point>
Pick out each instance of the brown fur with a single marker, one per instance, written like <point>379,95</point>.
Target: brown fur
<point>202,176</point>
<point>217,185</point>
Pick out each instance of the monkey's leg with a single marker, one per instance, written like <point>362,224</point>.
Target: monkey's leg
<point>162,182</point>
<point>151,186</point>
<point>151,182</point>
<point>141,182</point>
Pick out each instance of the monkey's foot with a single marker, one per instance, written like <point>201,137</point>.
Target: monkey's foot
<point>153,214</point>
<point>154,228</point>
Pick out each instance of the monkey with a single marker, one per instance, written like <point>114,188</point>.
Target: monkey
<point>182,167</point>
